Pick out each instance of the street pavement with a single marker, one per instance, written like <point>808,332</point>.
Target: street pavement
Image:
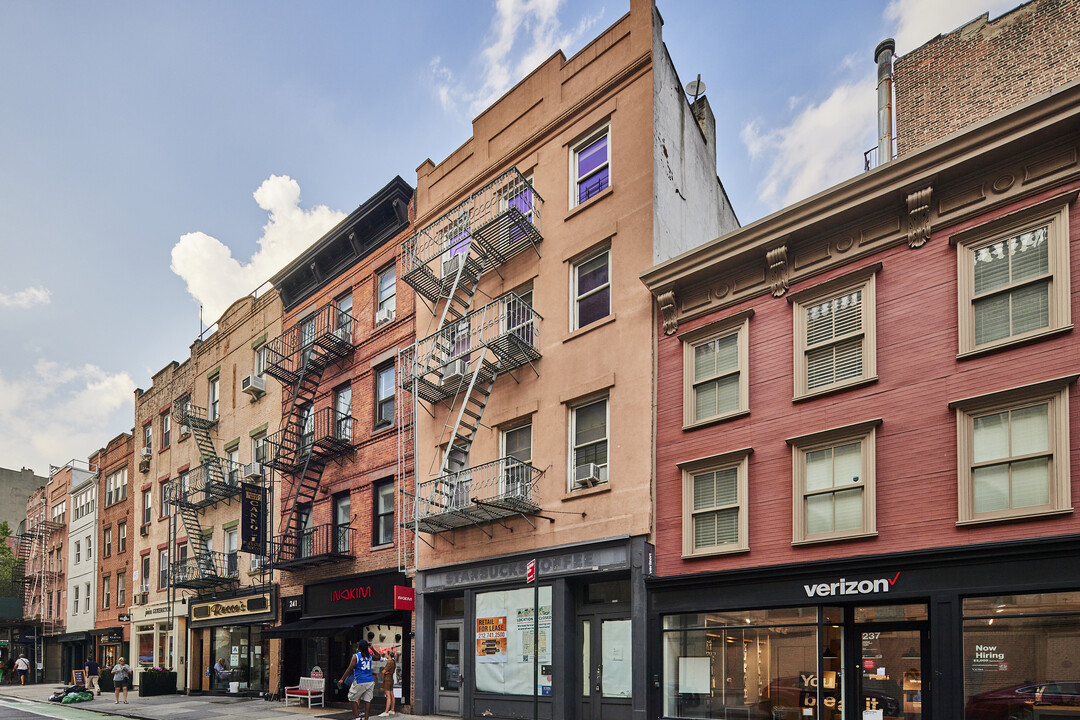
<point>16,701</point>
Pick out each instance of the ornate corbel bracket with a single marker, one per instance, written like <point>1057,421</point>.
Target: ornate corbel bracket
<point>669,310</point>
<point>918,205</point>
<point>778,269</point>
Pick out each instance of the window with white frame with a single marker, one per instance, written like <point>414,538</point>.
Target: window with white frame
<point>163,568</point>
<point>1014,278</point>
<point>232,556</point>
<point>106,548</point>
<point>166,428</point>
<point>213,397</point>
<point>148,504</point>
<point>232,465</point>
<point>258,448</point>
<point>342,523</point>
<point>716,370</point>
<point>714,505</point>
<point>344,315</point>
<point>86,597</point>
<point>121,537</point>
<point>121,590</point>
<point>384,396</point>
<point>343,412</point>
<point>78,551</point>
<point>260,360</point>
<point>835,335</point>
<point>165,506</point>
<point>89,547</point>
<point>589,444</point>
<point>386,302</point>
<point>384,512</point>
<point>834,484</point>
<point>591,289</point>
<point>106,592</point>
<point>148,435</point>
<point>1013,453</point>
<point>75,600</point>
<point>590,168</point>
<point>517,453</point>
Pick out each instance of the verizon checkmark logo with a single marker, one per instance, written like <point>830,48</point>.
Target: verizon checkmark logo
<point>843,586</point>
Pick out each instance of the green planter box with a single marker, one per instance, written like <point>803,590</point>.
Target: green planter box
<point>157,682</point>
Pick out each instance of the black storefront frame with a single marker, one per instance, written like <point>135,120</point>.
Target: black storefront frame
<point>563,568</point>
<point>941,578</point>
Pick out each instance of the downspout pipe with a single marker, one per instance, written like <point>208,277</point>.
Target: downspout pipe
<point>883,56</point>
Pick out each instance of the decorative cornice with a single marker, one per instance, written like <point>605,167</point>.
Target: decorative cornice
<point>779,271</point>
<point>670,311</point>
<point>918,205</point>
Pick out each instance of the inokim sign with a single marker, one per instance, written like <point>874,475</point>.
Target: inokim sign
<point>843,586</point>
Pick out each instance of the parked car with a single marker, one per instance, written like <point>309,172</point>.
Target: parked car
<point>1019,701</point>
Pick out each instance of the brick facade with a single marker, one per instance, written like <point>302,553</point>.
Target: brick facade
<point>116,457</point>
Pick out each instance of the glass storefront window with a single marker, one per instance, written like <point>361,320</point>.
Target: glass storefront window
<point>244,654</point>
<point>503,655</point>
<point>146,647</point>
<point>752,664</point>
<point>1020,655</point>
<point>385,639</point>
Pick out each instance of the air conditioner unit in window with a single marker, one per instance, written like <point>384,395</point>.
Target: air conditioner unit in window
<point>147,451</point>
<point>144,530</point>
<point>253,471</point>
<point>450,265</point>
<point>141,598</point>
<point>384,315</point>
<point>454,371</point>
<point>253,385</point>
<point>144,466</point>
<point>586,476</point>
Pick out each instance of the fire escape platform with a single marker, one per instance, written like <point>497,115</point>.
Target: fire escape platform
<point>507,234</point>
<point>478,495</point>
<point>212,572</point>
<point>435,287</point>
<point>314,546</point>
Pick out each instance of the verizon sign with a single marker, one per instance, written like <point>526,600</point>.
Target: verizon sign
<point>843,586</point>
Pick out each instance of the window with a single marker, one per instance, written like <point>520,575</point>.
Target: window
<point>592,289</point>
<point>50,608</point>
<point>517,449</point>
<point>834,484</point>
<point>165,508</point>
<point>163,568</point>
<point>166,425</point>
<point>344,315</point>
<point>78,552</point>
<point>107,543</point>
<point>260,360</point>
<point>591,167</point>
<point>714,504</point>
<point>105,592</point>
<point>518,315</point>
<point>232,465</point>
<point>121,590</point>
<point>89,548</point>
<point>343,413</point>
<point>588,433</point>
<point>212,397</point>
<point>715,371</point>
<point>145,578</point>
<point>182,554</point>
<point>147,505</point>
<point>116,487</point>
<point>387,293</point>
<point>1013,277</point>
<point>75,600</point>
<point>307,429</point>
<point>342,523</point>
<point>384,396</point>
<point>1014,453</point>
<point>121,537</point>
<point>232,558</point>
<point>384,512</point>
<point>148,435</point>
<point>835,339</point>
<point>258,448</point>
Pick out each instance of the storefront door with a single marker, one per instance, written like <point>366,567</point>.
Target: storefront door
<point>606,652</point>
<point>890,672</point>
<point>448,657</point>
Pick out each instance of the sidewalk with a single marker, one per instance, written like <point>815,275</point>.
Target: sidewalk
<point>190,707</point>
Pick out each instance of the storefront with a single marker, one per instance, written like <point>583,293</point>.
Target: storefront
<point>75,648</point>
<point>229,629</point>
<point>321,630</point>
<point>475,627</point>
<point>111,642</point>
<point>981,633</point>
<point>158,639</point>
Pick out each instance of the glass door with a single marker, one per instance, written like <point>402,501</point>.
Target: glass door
<point>890,672</point>
<point>448,668</point>
<point>606,662</point>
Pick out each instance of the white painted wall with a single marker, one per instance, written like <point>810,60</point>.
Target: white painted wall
<point>83,572</point>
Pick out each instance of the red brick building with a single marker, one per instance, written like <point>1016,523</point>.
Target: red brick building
<point>116,513</point>
<point>869,440</point>
<point>347,316</point>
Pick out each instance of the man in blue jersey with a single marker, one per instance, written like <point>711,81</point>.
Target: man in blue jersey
<point>363,684</point>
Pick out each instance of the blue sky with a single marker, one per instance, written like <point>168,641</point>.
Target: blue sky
<point>157,155</point>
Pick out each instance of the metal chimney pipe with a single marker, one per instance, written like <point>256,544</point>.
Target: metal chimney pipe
<point>883,56</point>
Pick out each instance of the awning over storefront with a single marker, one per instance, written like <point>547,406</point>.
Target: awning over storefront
<point>324,626</point>
<point>106,631</point>
<point>73,637</point>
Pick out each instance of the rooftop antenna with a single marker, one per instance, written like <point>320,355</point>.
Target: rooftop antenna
<point>695,88</point>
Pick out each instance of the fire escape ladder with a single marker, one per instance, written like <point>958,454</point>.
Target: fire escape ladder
<point>306,486</point>
<point>188,415</point>
<point>467,410</point>
<point>406,424</point>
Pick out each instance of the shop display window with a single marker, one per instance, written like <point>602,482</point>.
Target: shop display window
<point>777,663</point>
<point>245,657</point>
<point>385,639</point>
<point>1021,656</point>
<point>503,655</point>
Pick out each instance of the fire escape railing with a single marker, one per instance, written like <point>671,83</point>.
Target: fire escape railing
<point>312,546</point>
<point>478,494</point>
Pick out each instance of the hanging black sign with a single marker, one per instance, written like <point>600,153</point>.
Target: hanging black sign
<point>252,513</point>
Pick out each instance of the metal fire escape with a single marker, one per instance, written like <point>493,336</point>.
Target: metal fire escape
<point>36,573</point>
<point>309,438</point>
<point>457,364</point>
<point>214,480</point>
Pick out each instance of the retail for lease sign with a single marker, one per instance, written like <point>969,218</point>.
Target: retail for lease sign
<point>491,638</point>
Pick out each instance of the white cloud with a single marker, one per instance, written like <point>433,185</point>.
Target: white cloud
<point>524,34</point>
<point>216,279</point>
<point>58,412</point>
<point>28,298</point>
<point>824,143</point>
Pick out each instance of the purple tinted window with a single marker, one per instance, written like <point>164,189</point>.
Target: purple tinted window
<point>593,290</point>
<point>594,307</point>
<point>522,202</point>
<point>592,157</point>
<point>593,185</point>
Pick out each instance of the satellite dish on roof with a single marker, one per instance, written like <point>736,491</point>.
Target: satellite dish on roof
<point>695,87</point>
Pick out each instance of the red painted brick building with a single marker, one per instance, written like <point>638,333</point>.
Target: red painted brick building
<point>346,318</point>
<point>116,514</point>
<point>869,441</point>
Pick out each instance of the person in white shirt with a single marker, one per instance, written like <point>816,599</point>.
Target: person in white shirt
<point>23,666</point>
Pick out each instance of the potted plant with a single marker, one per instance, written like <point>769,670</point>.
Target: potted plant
<point>157,681</point>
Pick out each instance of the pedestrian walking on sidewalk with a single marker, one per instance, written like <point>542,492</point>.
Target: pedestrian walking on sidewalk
<point>363,685</point>
<point>93,672</point>
<point>23,666</point>
<point>388,683</point>
<point>121,677</point>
